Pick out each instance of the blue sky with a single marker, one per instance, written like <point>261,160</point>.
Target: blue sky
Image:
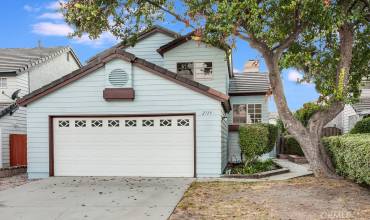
<point>24,23</point>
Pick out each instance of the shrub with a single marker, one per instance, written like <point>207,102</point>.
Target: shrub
<point>273,131</point>
<point>255,167</point>
<point>291,146</point>
<point>351,155</point>
<point>305,113</point>
<point>362,126</point>
<point>253,141</point>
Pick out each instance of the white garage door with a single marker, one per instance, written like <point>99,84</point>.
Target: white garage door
<point>158,146</point>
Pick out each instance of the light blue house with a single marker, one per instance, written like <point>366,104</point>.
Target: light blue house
<point>167,106</point>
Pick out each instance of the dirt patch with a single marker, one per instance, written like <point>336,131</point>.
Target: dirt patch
<point>13,181</point>
<point>302,198</point>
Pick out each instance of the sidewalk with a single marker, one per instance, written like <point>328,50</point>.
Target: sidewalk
<point>295,170</point>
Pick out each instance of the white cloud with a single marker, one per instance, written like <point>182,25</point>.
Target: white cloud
<point>294,76</point>
<point>51,29</point>
<point>29,8</point>
<point>54,5</point>
<point>236,70</point>
<point>53,16</point>
<point>104,39</point>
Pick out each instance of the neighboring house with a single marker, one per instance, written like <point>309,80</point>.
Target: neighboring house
<point>351,114</point>
<point>121,115</point>
<point>25,70</point>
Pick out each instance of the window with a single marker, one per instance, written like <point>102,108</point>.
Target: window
<point>96,123</point>
<point>183,122</point>
<point>254,113</point>
<point>165,122</point>
<point>113,123</point>
<point>186,69</point>
<point>130,123</point>
<point>203,70</point>
<point>148,123</point>
<point>250,114</point>
<point>80,123</point>
<point>239,114</point>
<point>3,82</point>
<point>63,124</point>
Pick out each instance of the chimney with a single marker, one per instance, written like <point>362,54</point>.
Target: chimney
<point>252,66</point>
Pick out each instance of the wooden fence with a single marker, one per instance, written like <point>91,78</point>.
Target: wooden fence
<point>18,149</point>
<point>331,131</point>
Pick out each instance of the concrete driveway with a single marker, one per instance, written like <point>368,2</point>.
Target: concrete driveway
<point>93,198</point>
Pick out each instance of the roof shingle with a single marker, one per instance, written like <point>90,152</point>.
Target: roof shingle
<point>249,82</point>
<point>17,60</point>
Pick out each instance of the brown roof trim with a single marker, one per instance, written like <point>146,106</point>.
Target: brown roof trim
<point>247,93</point>
<point>118,53</point>
<point>141,36</point>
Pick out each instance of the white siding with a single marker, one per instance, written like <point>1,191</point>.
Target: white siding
<point>147,48</point>
<point>233,142</point>
<point>153,94</point>
<point>345,120</point>
<point>11,124</point>
<point>192,51</point>
<point>51,70</point>
<point>224,137</point>
<point>11,87</point>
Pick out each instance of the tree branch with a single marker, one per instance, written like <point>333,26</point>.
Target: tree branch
<point>177,17</point>
<point>284,44</point>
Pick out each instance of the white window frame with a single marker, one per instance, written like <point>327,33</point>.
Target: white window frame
<point>2,80</point>
<point>250,113</point>
<point>199,70</point>
<point>186,75</point>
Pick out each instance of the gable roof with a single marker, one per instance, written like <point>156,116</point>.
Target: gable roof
<point>17,60</point>
<point>141,36</point>
<point>249,83</point>
<point>185,38</point>
<point>121,54</point>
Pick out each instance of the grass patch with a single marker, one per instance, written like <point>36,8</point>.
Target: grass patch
<point>254,167</point>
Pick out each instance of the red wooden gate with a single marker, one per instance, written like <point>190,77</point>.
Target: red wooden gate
<point>18,149</point>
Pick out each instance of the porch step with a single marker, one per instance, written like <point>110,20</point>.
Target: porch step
<point>297,159</point>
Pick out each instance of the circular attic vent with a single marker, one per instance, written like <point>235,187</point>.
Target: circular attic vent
<point>118,78</point>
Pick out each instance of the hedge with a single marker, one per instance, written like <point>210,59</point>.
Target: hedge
<point>256,139</point>
<point>362,126</point>
<point>273,132</point>
<point>291,146</point>
<point>351,155</point>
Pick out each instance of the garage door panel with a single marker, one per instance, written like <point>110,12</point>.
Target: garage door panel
<point>155,146</point>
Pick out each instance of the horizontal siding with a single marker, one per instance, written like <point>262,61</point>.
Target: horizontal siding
<point>11,87</point>
<point>157,95</point>
<point>192,51</point>
<point>51,70</point>
<point>224,139</point>
<point>147,48</point>
<point>11,124</point>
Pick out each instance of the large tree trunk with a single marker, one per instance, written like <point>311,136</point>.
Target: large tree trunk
<point>309,139</point>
